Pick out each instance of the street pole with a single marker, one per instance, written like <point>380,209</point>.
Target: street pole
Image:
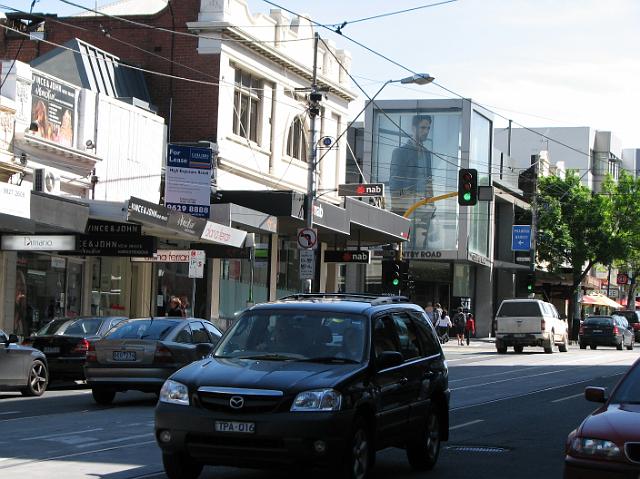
<point>534,221</point>
<point>311,171</point>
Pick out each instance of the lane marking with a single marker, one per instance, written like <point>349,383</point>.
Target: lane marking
<point>111,441</point>
<point>74,433</point>
<point>569,397</point>
<point>531,393</point>
<point>465,424</point>
<point>471,386</point>
<point>9,412</point>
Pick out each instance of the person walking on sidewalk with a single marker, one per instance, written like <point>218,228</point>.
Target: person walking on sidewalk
<point>442,327</point>
<point>459,322</point>
<point>470,327</point>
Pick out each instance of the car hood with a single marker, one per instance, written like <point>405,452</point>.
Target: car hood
<point>617,422</point>
<point>264,374</point>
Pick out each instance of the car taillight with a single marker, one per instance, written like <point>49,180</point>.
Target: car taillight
<point>92,357</point>
<point>616,331</point>
<point>542,325</point>
<point>162,354</point>
<point>27,342</point>
<point>636,326</point>
<point>81,347</point>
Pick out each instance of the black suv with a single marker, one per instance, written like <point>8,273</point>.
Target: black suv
<point>315,380</point>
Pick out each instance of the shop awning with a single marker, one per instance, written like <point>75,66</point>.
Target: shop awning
<point>599,300</point>
<point>231,214</point>
<point>372,225</point>
<point>623,302</point>
<point>55,214</point>
<point>289,207</point>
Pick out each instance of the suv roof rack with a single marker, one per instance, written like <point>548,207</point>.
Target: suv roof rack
<point>374,299</point>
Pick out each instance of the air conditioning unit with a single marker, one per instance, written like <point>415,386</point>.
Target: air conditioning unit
<point>46,181</point>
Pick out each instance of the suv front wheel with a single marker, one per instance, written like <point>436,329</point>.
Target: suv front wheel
<point>178,466</point>
<point>423,451</point>
<point>360,454</point>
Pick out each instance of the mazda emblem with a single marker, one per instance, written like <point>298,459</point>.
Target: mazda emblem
<point>236,402</point>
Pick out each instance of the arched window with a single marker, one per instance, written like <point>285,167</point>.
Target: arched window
<point>297,141</point>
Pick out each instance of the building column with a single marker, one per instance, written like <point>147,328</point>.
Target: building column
<point>483,308</point>
<point>213,293</point>
<point>87,286</point>
<point>143,300</point>
<point>7,289</point>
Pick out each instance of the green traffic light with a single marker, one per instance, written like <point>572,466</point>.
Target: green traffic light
<point>395,282</point>
<point>530,287</point>
<point>467,196</point>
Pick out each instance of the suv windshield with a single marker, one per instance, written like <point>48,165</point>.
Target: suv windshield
<point>282,335</point>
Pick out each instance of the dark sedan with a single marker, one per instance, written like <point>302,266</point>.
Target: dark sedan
<point>65,342</point>
<point>607,443</point>
<point>140,354</point>
<point>22,368</point>
<point>605,331</point>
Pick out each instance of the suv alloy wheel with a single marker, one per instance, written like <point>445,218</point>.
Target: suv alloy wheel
<point>423,452</point>
<point>359,457</point>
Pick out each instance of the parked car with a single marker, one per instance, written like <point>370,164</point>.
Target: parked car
<point>633,317</point>
<point>530,322</point>
<point>606,331</point>
<point>22,368</point>
<point>607,443</point>
<point>139,354</point>
<point>65,343</point>
<point>320,380</point>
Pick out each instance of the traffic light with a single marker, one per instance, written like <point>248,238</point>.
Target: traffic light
<point>393,274</point>
<point>467,187</point>
<point>531,283</point>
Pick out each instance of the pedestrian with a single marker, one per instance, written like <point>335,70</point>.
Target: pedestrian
<point>437,312</point>
<point>470,327</point>
<point>459,322</point>
<point>429,310</point>
<point>184,305</point>
<point>442,327</point>
<point>174,308</point>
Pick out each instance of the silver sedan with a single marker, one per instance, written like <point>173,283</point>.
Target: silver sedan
<point>22,368</point>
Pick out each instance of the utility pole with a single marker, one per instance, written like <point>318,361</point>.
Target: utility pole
<point>314,110</point>
<point>534,219</point>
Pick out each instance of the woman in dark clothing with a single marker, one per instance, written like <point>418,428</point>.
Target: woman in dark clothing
<point>174,308</point>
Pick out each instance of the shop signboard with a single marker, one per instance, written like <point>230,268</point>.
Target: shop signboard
<point>15,200</point>
<point>100,227</point>
<point>53,109</point>
<point>361,189</point>
<point>186,223</point>
<point>146,212</point>
<point>359,256</point>
<point>225,235</point>
<point>112,245</point>
<point>166,256</point>
<point>188,180</point>
<point>38,243</point>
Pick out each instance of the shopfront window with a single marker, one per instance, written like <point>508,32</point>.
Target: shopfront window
<point>173,280</point>
<point>110,285</point>
<point>416,153</point>
<point>243,281</point>
<point>480,159</point>
<point>288,267</point>
<point>47,287</point>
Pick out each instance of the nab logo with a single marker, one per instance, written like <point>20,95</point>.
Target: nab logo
<point>361,190</point>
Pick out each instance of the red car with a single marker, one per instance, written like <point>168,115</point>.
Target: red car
<point>607,443</point>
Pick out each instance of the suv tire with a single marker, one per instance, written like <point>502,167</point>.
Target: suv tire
<point>179,466</point>
<point>518,348</point>
<point>564,347</point>
<point>501,348</point>
<point>630,347</point>
<point>103,396</point>
<point>583,346</point>
<point>423,452</point>
<point>359,456</point>
<point>37,381</point>
<point>549,348</point>
<point>619,345</point>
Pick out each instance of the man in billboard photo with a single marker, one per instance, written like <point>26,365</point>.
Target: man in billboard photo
<point>410,179</point>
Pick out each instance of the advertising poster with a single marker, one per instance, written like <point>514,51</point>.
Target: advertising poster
<point>188,180</point>
<point>53,109</point>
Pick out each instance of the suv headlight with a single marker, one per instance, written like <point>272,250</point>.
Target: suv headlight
<point>586,446</point>
<point>317,400</point>
<point>174,392</point>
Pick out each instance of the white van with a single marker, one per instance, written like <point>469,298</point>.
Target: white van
<point>530,322</point>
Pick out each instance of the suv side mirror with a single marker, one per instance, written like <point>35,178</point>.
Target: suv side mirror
<point>388,359</point>
<point>594,394</point>
<point>13,339</point>
<point>203,350</point>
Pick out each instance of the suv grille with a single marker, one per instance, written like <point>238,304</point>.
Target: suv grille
<point>253,401</point>
<point>633,451</point>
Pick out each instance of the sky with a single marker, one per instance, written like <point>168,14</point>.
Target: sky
<point>540,63</point>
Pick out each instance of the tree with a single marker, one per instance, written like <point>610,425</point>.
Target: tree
<point>574,228</point>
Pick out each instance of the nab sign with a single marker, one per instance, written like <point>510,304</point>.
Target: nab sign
<point>360,256</point>
<point>361,189</point>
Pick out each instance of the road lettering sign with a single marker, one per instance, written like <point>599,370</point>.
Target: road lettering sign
<point>521,238</point>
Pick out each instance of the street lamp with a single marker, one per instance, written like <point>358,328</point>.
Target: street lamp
<point>417,78</point>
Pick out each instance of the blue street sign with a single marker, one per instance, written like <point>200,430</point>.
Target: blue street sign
<point>521,238</point>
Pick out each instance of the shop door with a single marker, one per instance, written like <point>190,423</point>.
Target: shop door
<point>73,290</point>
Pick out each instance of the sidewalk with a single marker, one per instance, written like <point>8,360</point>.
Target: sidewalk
<point>475,342</point>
